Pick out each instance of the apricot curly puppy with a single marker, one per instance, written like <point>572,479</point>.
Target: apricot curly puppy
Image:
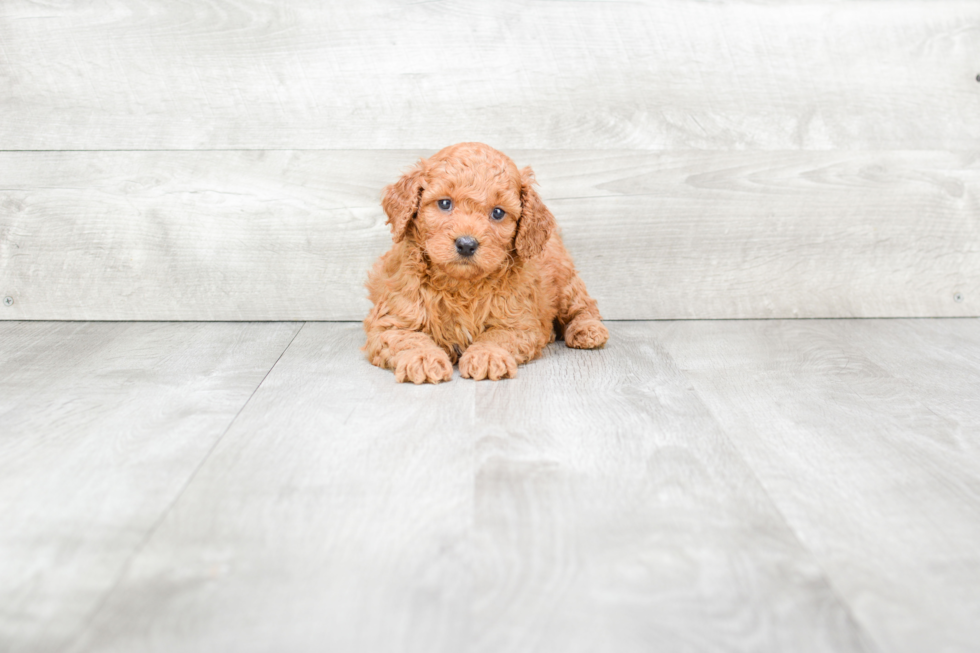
<point>477,273</point>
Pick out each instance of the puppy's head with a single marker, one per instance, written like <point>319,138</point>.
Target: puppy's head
<point>470,210</point>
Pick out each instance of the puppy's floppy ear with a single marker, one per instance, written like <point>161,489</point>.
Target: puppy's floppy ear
<point>536,224</point>
<point>401,200</point>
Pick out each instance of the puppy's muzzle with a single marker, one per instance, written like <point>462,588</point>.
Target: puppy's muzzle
<point>466,245</point>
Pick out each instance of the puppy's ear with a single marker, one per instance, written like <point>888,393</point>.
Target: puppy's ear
<point>536,224</point>
<point>401,200</point>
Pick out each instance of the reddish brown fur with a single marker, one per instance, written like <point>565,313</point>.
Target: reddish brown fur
<point>491,312</point>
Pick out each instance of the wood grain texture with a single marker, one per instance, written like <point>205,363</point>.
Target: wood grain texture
<point>612,513</point>
<point>864,435</point>
<point>334,519</point>
<point>290,235</point>
<point>733,75</point>
<point>591,504</point>
<point>101,426</point>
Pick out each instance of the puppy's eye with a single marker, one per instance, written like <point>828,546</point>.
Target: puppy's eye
<point>498,213</point>
<point>445,205</point>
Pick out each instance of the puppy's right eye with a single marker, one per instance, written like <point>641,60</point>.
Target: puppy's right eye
<point>445,205</point>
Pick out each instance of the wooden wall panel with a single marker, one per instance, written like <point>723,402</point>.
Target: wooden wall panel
<point>289,235</point>
<point>220,159</point>
<point>253,74</point>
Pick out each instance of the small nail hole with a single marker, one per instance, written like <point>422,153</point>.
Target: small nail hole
<point>958,297</point>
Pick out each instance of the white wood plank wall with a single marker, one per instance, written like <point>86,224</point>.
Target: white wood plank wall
<point>731,159</point>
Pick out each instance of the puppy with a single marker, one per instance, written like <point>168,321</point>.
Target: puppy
<point>477,274</point>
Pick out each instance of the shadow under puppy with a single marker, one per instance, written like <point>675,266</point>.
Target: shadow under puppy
<point>477,273</point>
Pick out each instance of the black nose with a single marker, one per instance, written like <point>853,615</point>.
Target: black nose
<point>466,245</point>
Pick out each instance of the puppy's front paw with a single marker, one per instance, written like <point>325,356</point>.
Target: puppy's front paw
<point>429,365</point>
<point>486,361</point>
<point>586,333</point>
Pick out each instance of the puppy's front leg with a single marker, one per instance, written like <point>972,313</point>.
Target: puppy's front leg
<point>413,356</point>
<point>496,353</point>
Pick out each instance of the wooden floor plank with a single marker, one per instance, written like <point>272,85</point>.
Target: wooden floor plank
<point>334,519</point>
<point>725,75</point>
<point>864,433</point>
<point>101,426</point>
<point>613,514</point>
<point>290,235</point>
<point>602,499</point>
<point>939,361</point>
<point>591,504</point>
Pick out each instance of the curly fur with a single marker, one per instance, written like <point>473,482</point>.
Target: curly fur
<point>490,312</point>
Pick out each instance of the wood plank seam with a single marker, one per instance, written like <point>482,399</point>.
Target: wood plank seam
<point>814,557</point>
<point>166,511</point>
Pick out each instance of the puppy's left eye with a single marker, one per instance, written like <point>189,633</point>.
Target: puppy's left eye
<point>498,213</point>
<point>445,205</point>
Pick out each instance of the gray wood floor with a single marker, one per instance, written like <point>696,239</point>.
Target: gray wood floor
<point>696,486</point>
